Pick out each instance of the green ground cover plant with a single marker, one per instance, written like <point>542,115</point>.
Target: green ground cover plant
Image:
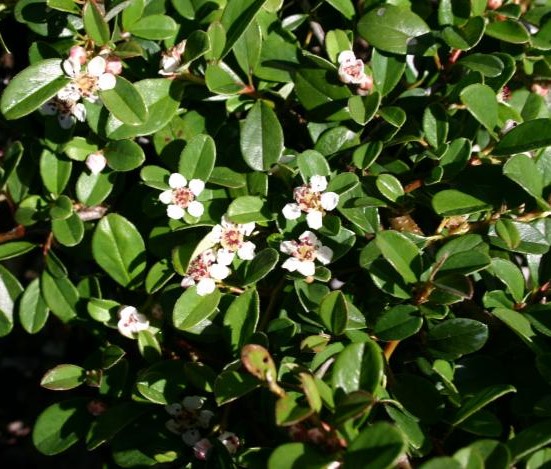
<point>282,234</point>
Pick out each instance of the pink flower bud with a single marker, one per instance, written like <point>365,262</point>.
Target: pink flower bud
<point>96,162</point>
<point>113,65</point>
<point>77,55</point>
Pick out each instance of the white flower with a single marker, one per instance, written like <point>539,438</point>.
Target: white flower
<point>87,83</point>
<point>204,271</point>
<point>181,197</point>
<point>131,322</point>
<point>68,112</point>
<point>204,418</point>
<point>231,236</point>
<point>304,252</point>
<point>230,441</point>
<point>351,70</point>
<point>171,59</point>
<point>191,436</point>
<point>311,199</point>
<point>201,449</point>
<point>96,162</point>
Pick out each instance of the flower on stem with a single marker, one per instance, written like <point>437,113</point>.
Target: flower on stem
<point>131,322</point>
<point>86,83</point>
<point>181,197</point>
<point>313,200</point>
<point>205,270</point>
<point>188,417</point>
<point>352,71</point>
<point>201,449</point>
<point>304,253</point>
<point>231,441</point>
<point>171,59</point>
<point>95,162</point>
<point>231,237</point>
<point>68,112</point>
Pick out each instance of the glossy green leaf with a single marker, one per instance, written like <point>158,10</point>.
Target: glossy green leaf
<point>511,276</point>
<point>398,323</point>
<point>401,253</point>
<point>466,36</point>
<point>363,108</point>
<point>32,87</point>
<point>455,337</point>
<point>508,31</point>
<point>293,455</point>
<point>60,295</point>
<point>453,202</point>
<point>154,27</point>
<point>15,249</point>
<point>391,28</point>
<point>119,249</point>
<point>387,71</point>
<point>92,189</point>
<point>248,209</point>
<point>481,102</point>
<point>231,385</point>
<point>261,138</point>
<point>481,399</point>
<point>390,187</point>
<point>124,155</point>
<point>33,312</point>
<point>63,377</point>
<point>530,440</point>
<point>487,64</point>
<point>10,290</point>
<point>333,311</point>
<point>435,125</point>
<point>358,367</point>
<point>125,102</point>
<point>236,18</point>
<point>291,409</point>
<point>191,308</point>
<point>68,231</point>
<point>262,264</point>
<point>94,23</point>
<point>241,318</point>
<point>198,158</point>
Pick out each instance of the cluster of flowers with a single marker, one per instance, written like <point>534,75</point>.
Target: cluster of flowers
<point>189,418</point>
<point>352,71</point>
<point>87,78</point>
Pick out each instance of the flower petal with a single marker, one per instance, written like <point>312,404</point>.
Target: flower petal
<point>195,209</point>
<point>127,311</point>
<point>196,186</point>
<point>69,68</point>
<point>79,111</point>
<point>346,56</point>
<point>288,247</point>
<point>96,162</point>
<point>177,181</point>
<point>166,196</point>
<point>107,81</point>
<point>96,66</point>
<point>246,251</point>
<point>216,233</point>
<point>291,211</point>
<point>308,236</point>
<point>205,286</point>
<point>318,183</point>
<point>324,254</point>
<point>291,264</point>
<point>225,256</point>
<point>306,268</point>
<point>187,282</point>
<point>191,436</point>
<point>247,228</point>
<point>66,121</point>
<point>175,212</point>
<point>48,109</point>
<point>219,271</point>
<point>205,416</point>
<point>329,200</point>
<point>314,219</point>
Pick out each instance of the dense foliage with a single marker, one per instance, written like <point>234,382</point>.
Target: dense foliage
<point>281,233</point>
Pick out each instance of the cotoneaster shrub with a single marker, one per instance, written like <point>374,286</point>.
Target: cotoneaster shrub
<point>283,234</point>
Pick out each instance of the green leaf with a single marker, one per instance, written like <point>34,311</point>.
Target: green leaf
<point>191,309</point>
<point>435,125</point>
<point>119,249</point>
<point>197,45</point>
<point>378,446</point>
<point>398,323</point>
<point>523,170</point>
<point>155,27</point>
<point>526,136</point>
<point>124,155</point>
<point>231,385</point>
<point>33,312</point>
<point>261,138</point>
<point>55,171</point>
<point>10,290</point>
<point>392,29</point>
<point>241,319</point>
<point>60,295</point>
<point>466,36</point>
<point>11,160</point>
<point>63,377</point>
<point>32,87</point>
<point>248,209</point>
<point>390,187</point>
<point>159,274</point>
<point>294,455</point>
<point>358,367</point>
<point>94,24</point>
<point>247,48</point>
<point>453,338</point>
<point>481,102</point>
<point>333,311</point>
<point>518,323</point>
<point>312,163</point>
<point>92,189</point>
<point>530,440</point>
<point>508,31</point>
<point>387,71</point>
<point>508,233</point>
<point>481,399</point>
<point>161,97</point>
<point>198,158</point>
<point>236,18</point>
<point>363,108</point>
<point>68,231</point>
<point>221,79</point>
<point>453,202</point>
<point>291,409</point>
<point>487,64</point>
<point>61,425</point>
<point>132,13</point>
<point>511,276</point>
<point>345,7</point>
<point>262,264</point>
<point>125,102</point>
<point>401,253</point>
<point>15,249</point>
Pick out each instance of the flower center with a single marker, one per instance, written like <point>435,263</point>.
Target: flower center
<point>305,250</point>
<point>354,70</point>
<point>87,85</point>
<point>307,199</point>
<point>199,267</point>
<point>231,239</point>
<point>182,197</point>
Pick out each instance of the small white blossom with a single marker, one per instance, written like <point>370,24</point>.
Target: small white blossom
<point>201,449</point>
<point>171,59</point>
<point>86,83</point>
<point>351,69</point>
<point>204,271</point>
<point>96,162</point>
<point>68,112</point>
<point>313,200</point>
<point>304,253</point>
<point>191,436</point>
<point>181,197</point>
<point>131,322</point>
<point>231,236</point>
<point>230,441</point>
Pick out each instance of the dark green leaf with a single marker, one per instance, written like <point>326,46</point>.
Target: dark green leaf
<point>191,308</point>
<point>125,102</point>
